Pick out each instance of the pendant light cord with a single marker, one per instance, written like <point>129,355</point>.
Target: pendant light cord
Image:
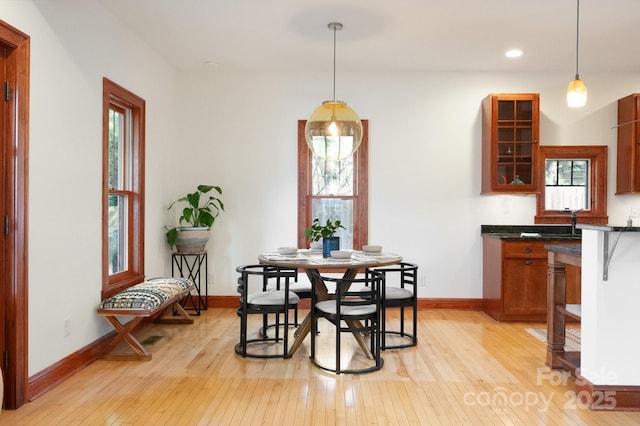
<point>334,61</point>
<point>577,39</point>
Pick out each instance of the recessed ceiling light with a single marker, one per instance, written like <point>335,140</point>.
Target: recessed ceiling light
<point>513,53</point>
<point>211,64</point>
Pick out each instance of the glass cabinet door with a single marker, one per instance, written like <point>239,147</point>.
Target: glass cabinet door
<point>511,139</point>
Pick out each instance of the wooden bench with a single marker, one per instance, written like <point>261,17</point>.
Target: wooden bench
<point>156,298</point>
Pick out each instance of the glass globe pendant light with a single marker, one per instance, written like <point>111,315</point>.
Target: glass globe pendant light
<point>577,91</point>
<point>334,130</point>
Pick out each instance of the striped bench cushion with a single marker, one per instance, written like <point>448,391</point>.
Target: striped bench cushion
<point>148,295</point>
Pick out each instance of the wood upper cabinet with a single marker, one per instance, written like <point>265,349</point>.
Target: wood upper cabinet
<point>515,279</point>
<point>510,136</point>
<point>628,165</point>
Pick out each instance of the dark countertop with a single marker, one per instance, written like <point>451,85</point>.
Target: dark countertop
<point>613,228</point>
<point>573,250</point>
<point>514,232</point>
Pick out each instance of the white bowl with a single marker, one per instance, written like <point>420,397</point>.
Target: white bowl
<point>372,249</point>
<point>340,254</point>
<point>287,251</point>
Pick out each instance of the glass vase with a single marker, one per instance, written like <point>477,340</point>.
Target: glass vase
<point>328,244</point>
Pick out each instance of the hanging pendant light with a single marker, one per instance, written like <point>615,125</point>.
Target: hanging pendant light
<point>577,91</point>
<point>334,130</point>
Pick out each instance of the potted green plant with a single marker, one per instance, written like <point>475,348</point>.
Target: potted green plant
<point>199,217</point>
<point>326,233</point>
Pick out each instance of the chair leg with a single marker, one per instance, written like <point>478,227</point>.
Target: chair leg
<point>383,327</point>
<point>242,347</point>
<point>285,334</point>
<point>415,324</point>
<point>338,334</point>
<point>376,336</point>
<point>314,327</point>
<point>265,326</point>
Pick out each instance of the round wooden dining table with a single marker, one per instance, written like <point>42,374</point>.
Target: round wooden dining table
<point>311,261</point>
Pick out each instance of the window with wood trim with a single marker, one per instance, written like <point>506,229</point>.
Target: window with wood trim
<point>334,190</point>
<point>566,184</point>
<point>593,207</point>
<point>123,122</point>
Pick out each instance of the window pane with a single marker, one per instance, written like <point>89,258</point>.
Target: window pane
<point>551,173</point>
<point>564,173</point>
<point>333,146</point>
<point>336,209</point>
<point>566,197</point>
<point>580,172</point>
<point>117,233</point>
<point>116,146</point>
<point>332,177</point>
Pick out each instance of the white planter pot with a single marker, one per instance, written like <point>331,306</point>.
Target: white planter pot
<point>316,245</point>
<point>192,240</point>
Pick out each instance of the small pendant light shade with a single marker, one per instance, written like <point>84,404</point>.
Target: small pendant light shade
<point>577,91</point>
<point>334,130</point>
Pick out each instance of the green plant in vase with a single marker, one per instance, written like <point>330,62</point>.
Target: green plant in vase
<point>199,217</point>
<point>326,233</point>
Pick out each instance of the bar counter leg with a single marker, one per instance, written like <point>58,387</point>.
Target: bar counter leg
<point>556,296</point>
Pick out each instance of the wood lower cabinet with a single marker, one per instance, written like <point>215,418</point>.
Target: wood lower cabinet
<point>523,292</point>
<point>515,279</point>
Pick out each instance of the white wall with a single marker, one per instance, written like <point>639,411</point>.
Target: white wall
<point>424,148</point>
<point>239,131</point>
<point>74,44</point>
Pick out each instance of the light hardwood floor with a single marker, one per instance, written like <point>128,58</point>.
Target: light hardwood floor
<point>466,369</point>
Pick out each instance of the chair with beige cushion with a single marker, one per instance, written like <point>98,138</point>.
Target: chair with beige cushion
<point>399,290</point>
<point>301,287</point>
<point>257,299</point>
<point>354,311</point>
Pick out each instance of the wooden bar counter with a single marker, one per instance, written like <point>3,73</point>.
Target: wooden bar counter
<point>606,370</point>
<point>557,309</point>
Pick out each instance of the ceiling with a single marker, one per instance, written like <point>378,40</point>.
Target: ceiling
<point>383,35</point>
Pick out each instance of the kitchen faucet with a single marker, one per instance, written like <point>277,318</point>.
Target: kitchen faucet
<point>574,219</point>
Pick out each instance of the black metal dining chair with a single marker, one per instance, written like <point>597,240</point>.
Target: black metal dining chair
<point>354,309</point>
<point>399,289</point>
<point>301,287</point>
<point>256,298</point>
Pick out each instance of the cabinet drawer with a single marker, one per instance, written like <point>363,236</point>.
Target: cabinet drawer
<point>525,249</point>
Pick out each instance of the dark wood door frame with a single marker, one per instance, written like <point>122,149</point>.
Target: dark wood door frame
<point>15,143</point>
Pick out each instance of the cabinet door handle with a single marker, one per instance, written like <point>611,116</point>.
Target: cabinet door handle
<point>528,262</point>
<point>528,250</point>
